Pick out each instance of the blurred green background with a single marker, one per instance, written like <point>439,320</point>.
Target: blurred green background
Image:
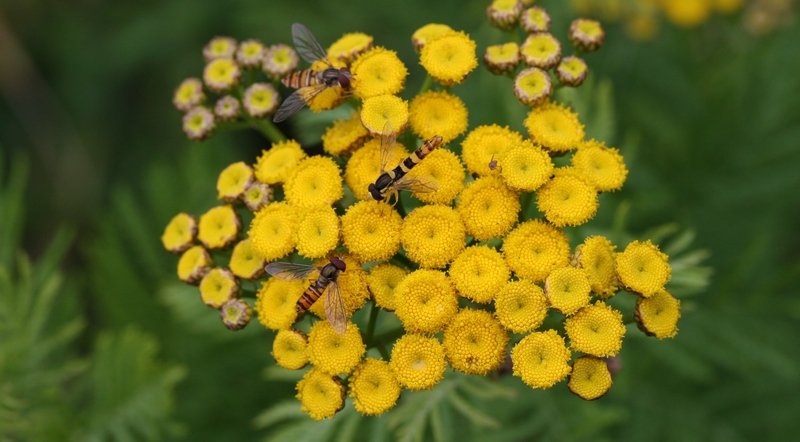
<point>99,340</point>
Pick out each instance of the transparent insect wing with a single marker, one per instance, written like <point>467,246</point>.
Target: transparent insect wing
<point>416,184</point>
<point>334,308</point>
<point>388,143</point>
<point>307,45</point>
<point>297,100</point>
<point>289,271</point>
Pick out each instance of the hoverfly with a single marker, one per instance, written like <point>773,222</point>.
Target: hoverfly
<point>326,283</point>
<point>390,181</point>
<point>493,164</point>
<point>309,83</point>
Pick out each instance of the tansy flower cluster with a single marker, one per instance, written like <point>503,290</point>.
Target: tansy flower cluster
<point>473,282</point>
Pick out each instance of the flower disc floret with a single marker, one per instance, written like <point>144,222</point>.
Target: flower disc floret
<point>642,268</point>
<point>445,169</point>
<point>179,234</point>
<point>318,232</point>
<point>379,109</point>
<point>275,164</point>
<point>221,74</point>
<point>479,273</point>
<point>590,378</point>
<point>194,264</point>
<point>316,181</point>
<point>555,127</point>
<point>475,342</point>
<point>426,301</point>
<point>279,61</point>
<point>438,113</point>
<point>433,235</point>
<point>188,94</point>
<point>504,14</point>
<point>502,59</point>
<point>423,35</point>
<point>541,359</point>
<point>273,231</point>
<point>449,58</point>
<point>219,47</point>
<point>364,166</point>
<point>374,387</point>
<point>596,257</point>
<point>219,227</point>
<point>525,167</point>
<point>382,281</point>
<point>596,330</point>
<point>604,167</point>
<point>275,302</point>
<point>289,349</point>
<point>532,86</point>
<point>245,262</point>
<point>371,230</point>
<point>261,99</point>
<point>567,289</point>
<point>572,71</point>
<point>521,306</point>
<point>567,200</point>
<point>198,123</point>
<point>233,181</point>
<point>658,315</point>
<point>418,362</point>
<point>333,353</point>
<point>250,53</point>
<point>352,286</point>
<point>218,287</point>
<point>350,46</point>
<point>488,208</point>
<point>535,19</point>
<point>485,143</point>
<point>541,50</point>
<point>378,72</point>
<point>321,395</point>
<point>344,136</point>
<point>256,196</point>
<point>535,248</point>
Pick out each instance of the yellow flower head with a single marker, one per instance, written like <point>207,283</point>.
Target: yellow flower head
<point>535,19</point>
<point>364,166</point>
<point>418,362</point>
<point>219,47</point>
<point>316,181</point>
<point>658,315</point>
<point>449,58</point>
<point>221,74</point>
<point>275,302</point>
<point>250,53</point>
<point>261,99</point>
<point>532,86</point>
<point>227,108</point>
<point>318,232</point>
<point>198,123</point>
<point>438,113</point>
<point>596,257</point>
<point>485,143</point>
<point>426,301</point>
<point>525,167</point>
<point>233,181</point>
<point>567,289</point>
<point>321,395</point>
<point>687,13</point>
<point>567,200</point>
<point>256,196</point>
<point>352,286</point>
<point>423,35</point>
<point>587,35</point>
<point>235,314</point>
<point>333,353</point>
<point>535,248</point>
<point>382,281</point>
<point>344,136</point>
<point>444,168</point>
<point>590,378</point>
<point>502,59</point>
<point>188,94</point>
<point>374,387</point>
<point>371,230</point>
<point>433,235</point>
<point>219,227</point>
<point>541,50</point>
<point>604,167</point>
<point>218,287</point>
<point>180,233</point>
<point>275,164</point>
<point>488,208</point>
<point>479,273</point>
<point>475,342</point>
<point>194,264</point>
<point>642,27</point>
<point>642,268</point>
<point>727,6</point>
<point>279,61</point>
<point>555,127</point>
<point>289,349</point>
<point>541,359</point>
<point>245,262</point>
<point>572,71</point>
<point>504,14</point>
<point>378,72</point>
<point>273,231</point>
<point>350,46</point>
<point>521,306</point>
<point>596,330</point>
<point>377,110</point>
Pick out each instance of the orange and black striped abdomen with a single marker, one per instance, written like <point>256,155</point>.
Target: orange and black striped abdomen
<point>301,79</point>
<point>417,156</point>
<point>311,295</point>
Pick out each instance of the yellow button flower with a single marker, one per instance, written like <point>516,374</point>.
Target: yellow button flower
<point>567,200</point>
<point>504,14</point>
<point>218,287</point>
<point>502,59</point>
<point>256,196</point>
<point>525,166</point>
<point>321,395</point>
<point>194,264</point>
<point>198,123</point>
<point>250,53</point>
<point>289,349</point>
<point>658,315</point>
<point>596,257</point>
<point>371,230</point>
<point>377,110</point>
<point>344,136</point>
<point>438,113</point>
<point>533,86</point>
<point>352,286</point>
<point>318,232</point>
<point>488,208</point>
<point>233,181</point>
<point>484,144</point>
<point>221,74</point>
<point>521,306</point>
<point>444,168</point>
<point>567,289</point>
<point>687,13</point>
<point>541,359</point>
<point>541,50</point>
<point>219,227</point>
<point>374,387</point>
<point>179,234</point>
<point>643,269</point>
<point>219,47</point>
<point>364,167</point>
<point>426,301</point>
<point>433,235</point>
<point>534,249</point>
<point>479,273</point>
<point>449,58</point>
<point>555,127</point>
<point>245,262</point>
<point>261,99</point>
<point>279,61</point>
<point>316,181</point>
<point>604,167</point>
<point>350,46</point>
<point>188,94</point>
<point>378,72</point>
<point>418,362</point>
<point>275,302</point>
<point>590,378</point>
<point>475,342</point>
<point>423,35</point>
<point>274,165</point>
<point>333,353</point>
<point>382,280</point>
<point>535,19</point>
<point>273,231</point>
<point>596,330</point>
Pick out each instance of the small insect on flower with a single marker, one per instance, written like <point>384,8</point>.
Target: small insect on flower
<point>327,282</point>
<point>310,82</point>
<point>391,181</point>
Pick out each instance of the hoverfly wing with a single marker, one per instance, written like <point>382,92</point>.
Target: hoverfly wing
<point>334,308</point>
<point>388,143</point>
<point>290,271</point>
<point>416,184</point>
<point>296,101</point>
<point>307,45</point>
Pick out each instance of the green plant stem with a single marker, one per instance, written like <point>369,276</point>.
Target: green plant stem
<point>383,352</point>
<point>373,320</point>
<point>527,200</point>
<point>385,338</point>
<point>471,242</point>
<point>426,84</point>
<point>403,261</point>
<point>400,208</point>
<point>628,318</point>
<point>513,34</point>
<point>268,129</point>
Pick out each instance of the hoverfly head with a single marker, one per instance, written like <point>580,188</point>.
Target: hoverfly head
<point>374,193</point>
<point>344,78</point>
<point>339,263</point>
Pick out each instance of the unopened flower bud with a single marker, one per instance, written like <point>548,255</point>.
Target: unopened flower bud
<point>227,108</point>
<point>279,61</point>
<point>219,47</point>
<point>535,19</point>
<point>198,123</point>
<point>541,50</point>
<point>532,86</point>
<point>586,35</point>
<point>504,14</point>
<point>218,287</point>
<point>250,53</point>
<point>572,71</point>
<point>256,196</point>
<point>188,94</point>
<point>235,314</point>
<point>502,59</point>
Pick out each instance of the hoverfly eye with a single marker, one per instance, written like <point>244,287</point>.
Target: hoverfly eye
<point>344,80</point>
